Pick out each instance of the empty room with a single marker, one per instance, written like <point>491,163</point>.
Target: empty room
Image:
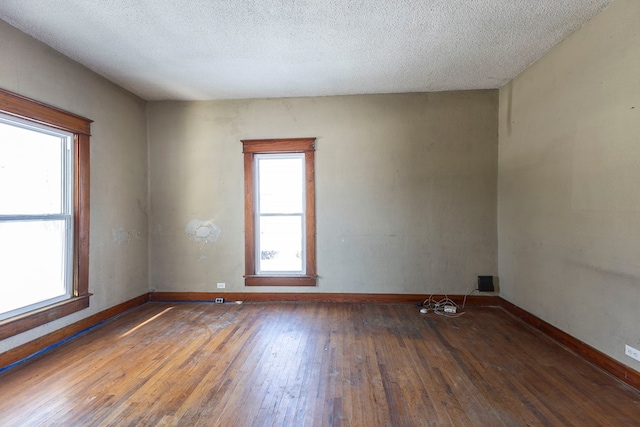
<point>320,213</point>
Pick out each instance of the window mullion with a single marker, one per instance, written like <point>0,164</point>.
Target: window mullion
<point>300,214</point>
<point>47,217</point>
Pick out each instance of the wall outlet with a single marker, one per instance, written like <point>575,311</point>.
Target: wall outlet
<point>632,352</point>
<point>221,285</point>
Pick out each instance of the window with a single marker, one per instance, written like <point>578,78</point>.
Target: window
<point>36,215</point>
<point>279,212</point>
<point>44,213</point>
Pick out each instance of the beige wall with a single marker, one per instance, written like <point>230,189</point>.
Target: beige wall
<point>569,184</point>
<point>405,189</point>
<point>118,252</point>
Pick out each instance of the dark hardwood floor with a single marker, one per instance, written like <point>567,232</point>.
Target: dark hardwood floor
<point>303,364</point>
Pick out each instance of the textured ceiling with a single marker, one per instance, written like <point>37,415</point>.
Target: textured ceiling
<point>224,49</point>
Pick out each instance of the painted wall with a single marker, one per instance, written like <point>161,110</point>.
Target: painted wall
<point>118,252</point>
<point>405,189</point>
<point>569,176</point>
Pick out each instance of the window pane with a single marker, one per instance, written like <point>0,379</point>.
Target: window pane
<point>32,262</point>
<point>281,183</point>
<point>280,245</point>
<point>31,166</point>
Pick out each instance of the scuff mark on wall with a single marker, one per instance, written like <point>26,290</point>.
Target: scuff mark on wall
<point>203,231</point>
<point>121,235</point>
<point>142,207</point>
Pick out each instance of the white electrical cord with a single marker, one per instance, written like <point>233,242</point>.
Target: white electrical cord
<point>445,307</point>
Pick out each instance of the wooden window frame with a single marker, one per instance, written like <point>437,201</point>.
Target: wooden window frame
<point>28,109</point>
<point>251,147</point>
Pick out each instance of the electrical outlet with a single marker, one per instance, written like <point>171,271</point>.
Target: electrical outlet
<point>632,352</point>
<point>221,285</point>
<point>219,300</point>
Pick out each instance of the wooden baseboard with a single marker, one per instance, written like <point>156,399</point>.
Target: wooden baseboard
<point>624,373</point>
<point>32,347</point>
<point>472,300</point>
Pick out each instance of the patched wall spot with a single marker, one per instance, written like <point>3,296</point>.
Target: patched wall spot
<point>203,231</point>
<point>120,235</point>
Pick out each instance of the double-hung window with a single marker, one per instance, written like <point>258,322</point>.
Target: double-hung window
<point>44,162</point>
<point>36,215</point>
<point>279,212</point>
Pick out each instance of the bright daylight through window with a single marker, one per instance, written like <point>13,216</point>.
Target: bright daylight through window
<point>36,215</point>
<point>279,212</point>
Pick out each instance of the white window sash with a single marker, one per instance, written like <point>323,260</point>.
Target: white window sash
<point>258,215</point>
<point>67,171</point>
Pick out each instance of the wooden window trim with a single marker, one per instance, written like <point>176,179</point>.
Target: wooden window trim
<point>251,147</point>
<point>34,111</point>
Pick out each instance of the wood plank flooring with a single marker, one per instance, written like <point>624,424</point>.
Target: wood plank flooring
<point>312,364</point>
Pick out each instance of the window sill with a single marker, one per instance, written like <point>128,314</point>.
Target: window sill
<point>280,280</point>
<point>18,324</point>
